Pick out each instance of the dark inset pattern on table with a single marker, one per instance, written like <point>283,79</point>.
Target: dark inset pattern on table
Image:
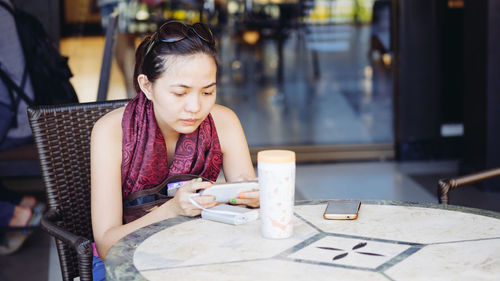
<point>345,253</point>
<point>414,247</point>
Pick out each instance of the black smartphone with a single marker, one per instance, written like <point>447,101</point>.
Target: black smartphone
<point>342,210</point>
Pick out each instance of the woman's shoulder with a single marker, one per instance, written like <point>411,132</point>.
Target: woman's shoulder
<point>223,115</point>
<point>109,123</point>
<point>227,124</point>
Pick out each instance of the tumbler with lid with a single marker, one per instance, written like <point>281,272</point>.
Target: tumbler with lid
<point>276,171</point>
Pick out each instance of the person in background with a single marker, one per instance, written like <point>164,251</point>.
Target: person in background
<point>16,210</point>
<point>172,126</point>
<point>124,45</point>
<point>13,63</point>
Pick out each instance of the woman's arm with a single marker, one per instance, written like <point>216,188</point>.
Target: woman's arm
<point>236,162</point>
<point>106,188</point>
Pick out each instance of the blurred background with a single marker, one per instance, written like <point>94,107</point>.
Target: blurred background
<point>369,79</point>
<point>378,98</point>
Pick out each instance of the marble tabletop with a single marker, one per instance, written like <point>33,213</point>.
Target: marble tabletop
<point>389,241</point>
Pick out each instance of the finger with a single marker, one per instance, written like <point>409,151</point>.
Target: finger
<point>245,201</point>
<point>210,205</point>
<point>249,194</point>
<point>205,200</point>
<point>196,184</point>
<point>203,185</point>
<point>189,186</point>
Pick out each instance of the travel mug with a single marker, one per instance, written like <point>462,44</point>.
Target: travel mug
<point>276,172</point>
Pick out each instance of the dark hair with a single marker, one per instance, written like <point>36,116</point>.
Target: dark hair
<point>156,62</point>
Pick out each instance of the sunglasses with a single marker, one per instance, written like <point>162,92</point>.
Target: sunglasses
<point>174,31</point>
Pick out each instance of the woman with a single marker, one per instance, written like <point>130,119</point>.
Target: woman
<point>172,126</point>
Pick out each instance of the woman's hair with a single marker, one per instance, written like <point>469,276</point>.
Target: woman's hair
<point>159,58</point>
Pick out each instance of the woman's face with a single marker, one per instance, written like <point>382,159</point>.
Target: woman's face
<point>184,95</point>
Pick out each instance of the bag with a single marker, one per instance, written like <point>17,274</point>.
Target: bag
<point>48,70</point>
<point>7,118</point>
<point>139,203</point>
<point>9,111</point>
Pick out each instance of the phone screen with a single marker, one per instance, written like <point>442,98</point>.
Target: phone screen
<point>342,209</point>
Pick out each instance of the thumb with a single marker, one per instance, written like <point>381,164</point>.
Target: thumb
<point>196,184</point>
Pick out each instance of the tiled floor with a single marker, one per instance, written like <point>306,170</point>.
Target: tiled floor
<point>340,108</point>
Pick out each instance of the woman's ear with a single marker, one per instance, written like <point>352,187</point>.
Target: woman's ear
<point>145,85</point>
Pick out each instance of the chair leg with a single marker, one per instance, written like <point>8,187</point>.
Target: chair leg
<point>85,254</point>
<point>443,189</point>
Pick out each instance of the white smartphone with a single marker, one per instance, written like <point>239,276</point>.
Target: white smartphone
<point>342,210</point>
<point>226,191</point>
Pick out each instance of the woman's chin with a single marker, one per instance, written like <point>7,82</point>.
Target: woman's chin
<point>186,129</point>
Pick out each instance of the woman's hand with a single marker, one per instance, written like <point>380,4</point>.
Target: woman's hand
<point>250,199</point>
<point>182,205</point>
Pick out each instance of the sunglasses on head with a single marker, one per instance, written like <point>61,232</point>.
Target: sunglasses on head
<point>174,31</point>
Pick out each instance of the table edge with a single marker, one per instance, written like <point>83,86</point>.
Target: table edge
<point>124,249</point>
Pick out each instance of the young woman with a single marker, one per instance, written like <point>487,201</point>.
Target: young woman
<point>172,126</point>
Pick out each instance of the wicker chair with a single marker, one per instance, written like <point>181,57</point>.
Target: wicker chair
<point>445,185</point>
<point>62,138</point>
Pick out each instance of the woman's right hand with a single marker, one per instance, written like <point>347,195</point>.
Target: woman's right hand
<point>181,203</point>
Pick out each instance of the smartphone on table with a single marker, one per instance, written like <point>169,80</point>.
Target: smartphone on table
<point>342,210</point>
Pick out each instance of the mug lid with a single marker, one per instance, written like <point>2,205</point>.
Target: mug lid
<point>276,156</point>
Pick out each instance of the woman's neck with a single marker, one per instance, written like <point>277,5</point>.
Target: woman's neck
<point>169,134</point>
<point>167,131</point>
<point>171,137</point>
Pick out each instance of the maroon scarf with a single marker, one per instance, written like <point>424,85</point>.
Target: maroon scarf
<point>144,153</point>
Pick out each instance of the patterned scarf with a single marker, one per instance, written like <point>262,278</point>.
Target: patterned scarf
<point>144,153</point>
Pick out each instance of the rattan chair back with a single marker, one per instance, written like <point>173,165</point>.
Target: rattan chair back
<point>62,138</point>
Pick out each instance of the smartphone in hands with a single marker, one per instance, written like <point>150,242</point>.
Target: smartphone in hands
<point>342,210</point>
<point>224,192</point>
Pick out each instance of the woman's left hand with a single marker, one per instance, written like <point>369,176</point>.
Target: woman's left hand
<point>250,199</point>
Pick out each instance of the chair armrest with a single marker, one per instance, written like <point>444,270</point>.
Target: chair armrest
<point>81,245</point>
<point>445,185</point>
<point>48,224</point>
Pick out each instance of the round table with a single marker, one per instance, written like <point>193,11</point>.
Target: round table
<point>389,241</point>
